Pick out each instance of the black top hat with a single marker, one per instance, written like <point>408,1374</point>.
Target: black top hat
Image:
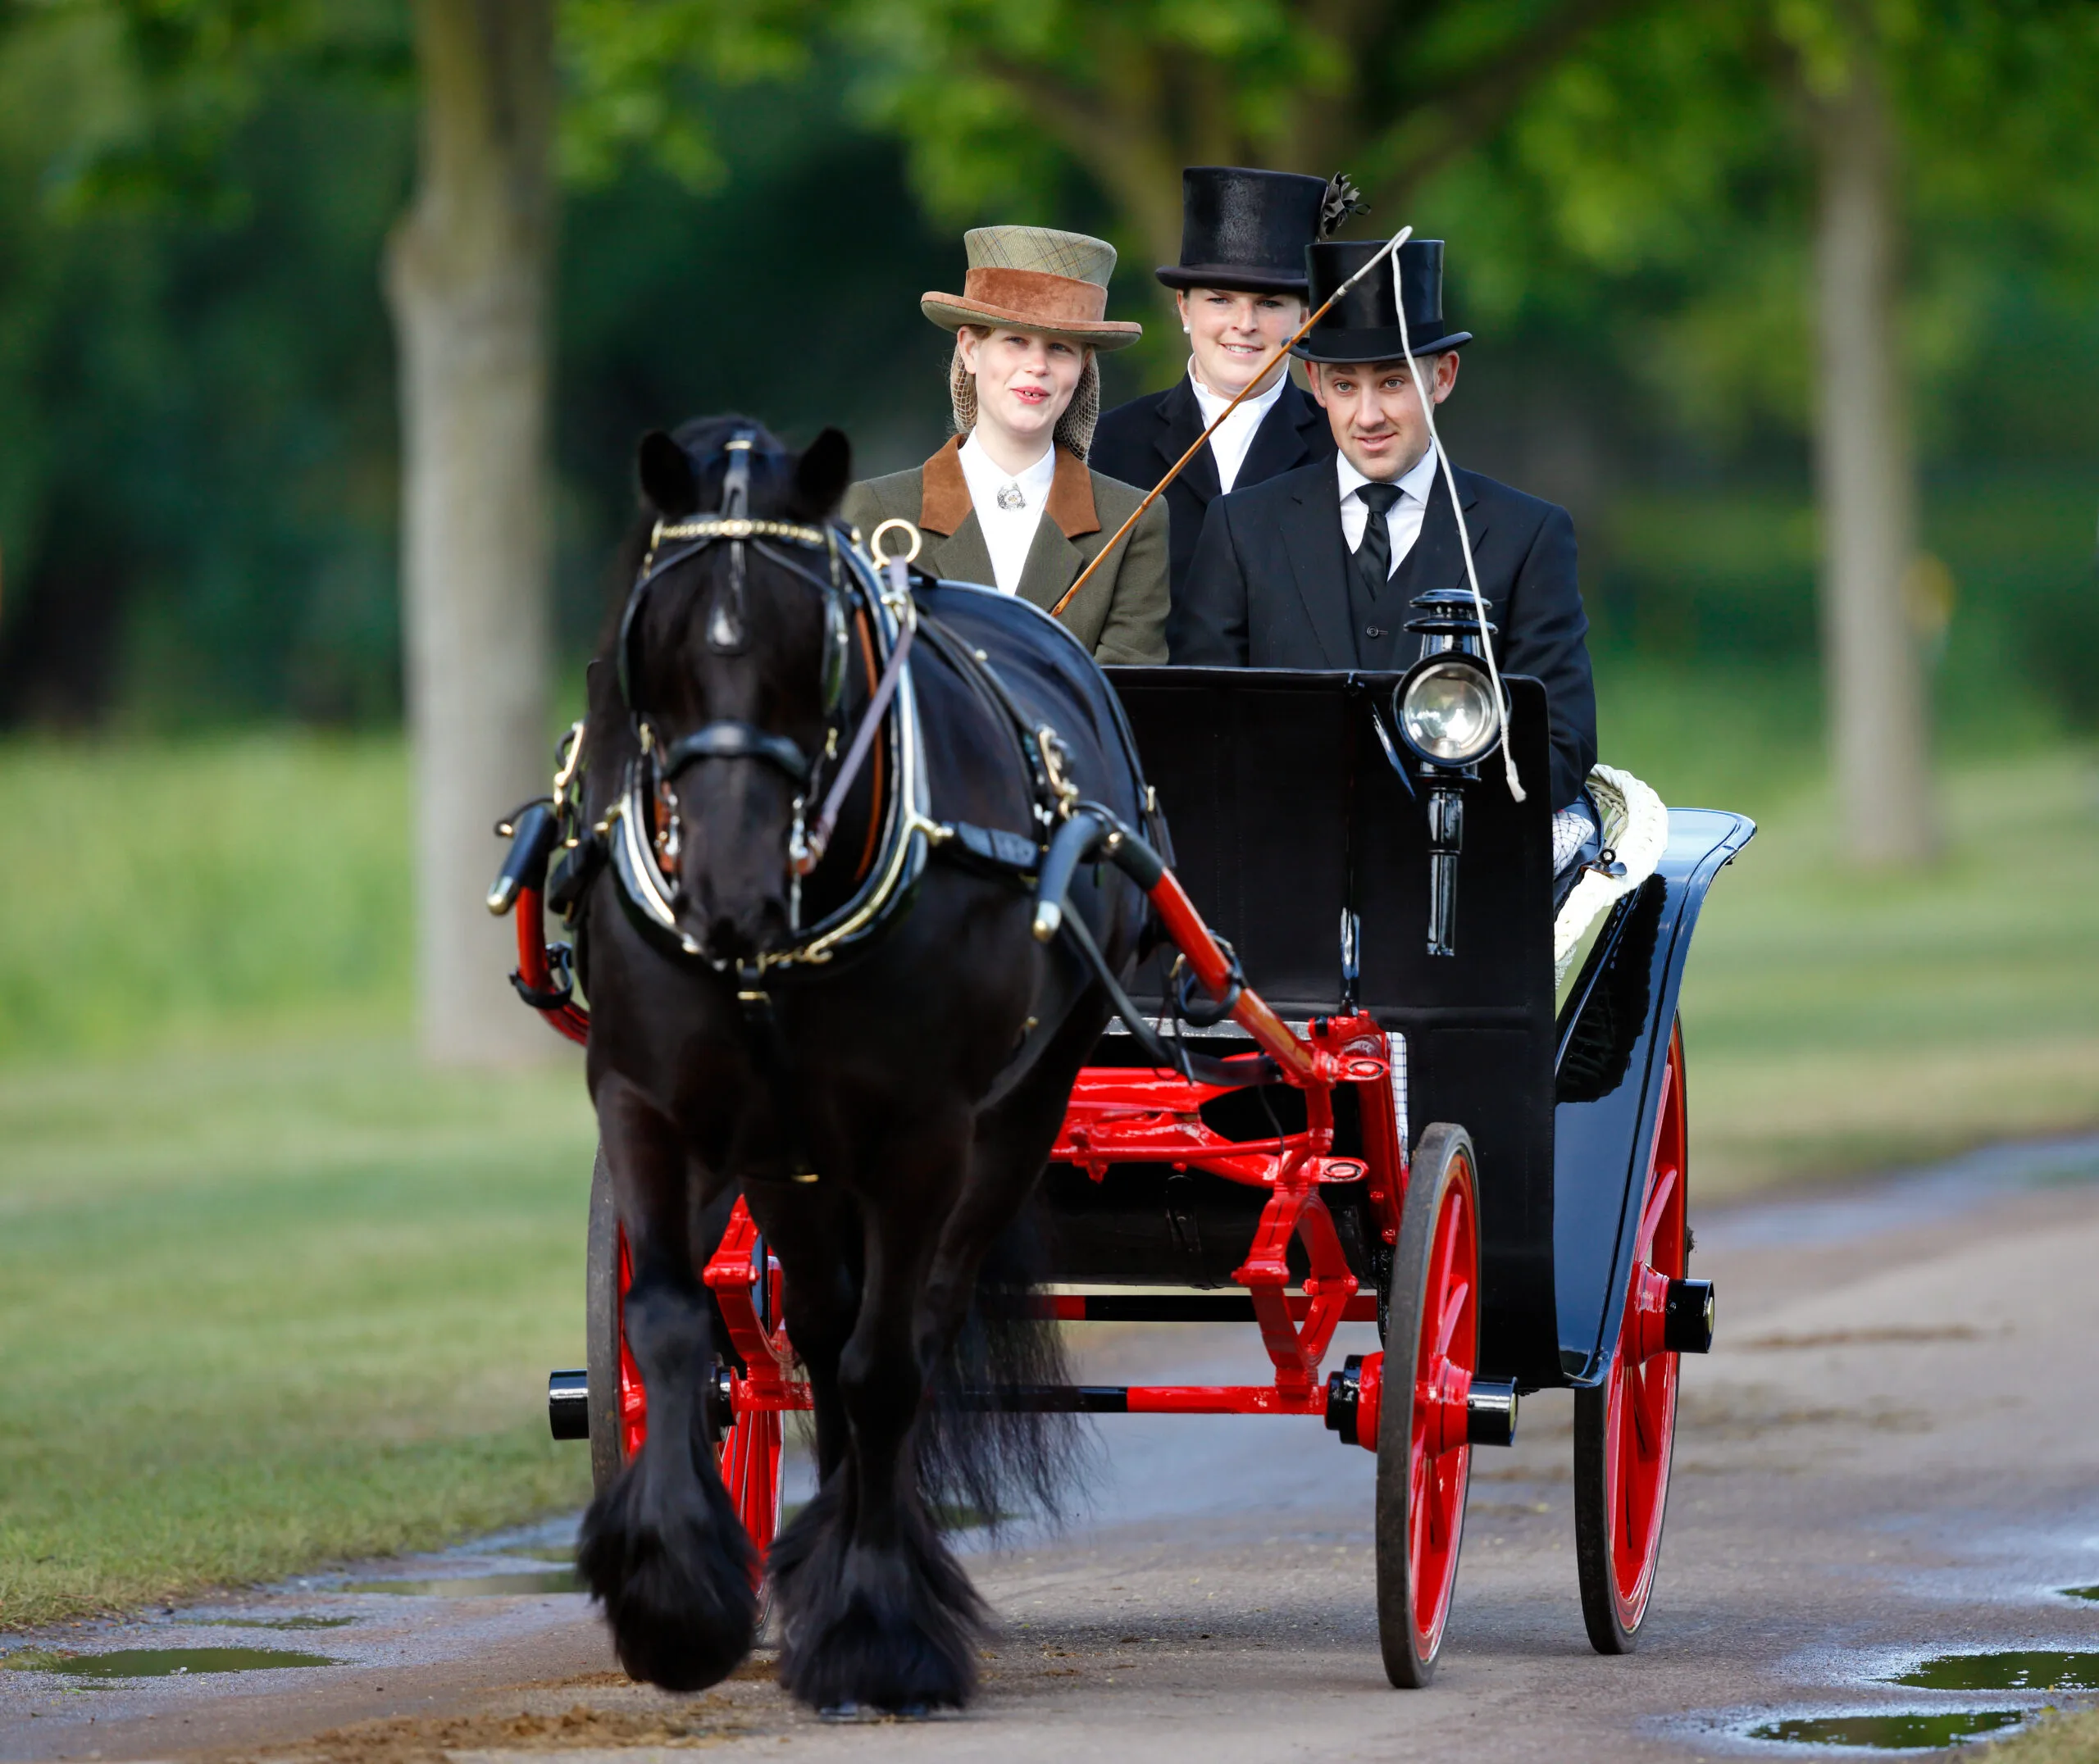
<point>1364,323</point>
<point>1244,230</point>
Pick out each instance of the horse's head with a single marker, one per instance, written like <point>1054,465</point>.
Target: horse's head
<point>730,655</point>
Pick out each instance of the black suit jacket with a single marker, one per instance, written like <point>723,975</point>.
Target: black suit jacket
<point>1138,441</point>
<point>1268,587</point>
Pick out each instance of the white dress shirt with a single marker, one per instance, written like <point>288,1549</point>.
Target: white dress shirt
<point>1007,531</point>
<point>1403,522</point>
<point>1229,445</point>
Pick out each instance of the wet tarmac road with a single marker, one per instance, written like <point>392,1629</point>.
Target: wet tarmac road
<point>1890,1456</point>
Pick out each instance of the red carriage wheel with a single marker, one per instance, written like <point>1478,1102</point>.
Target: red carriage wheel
<point>1625,1427</point>
<point>1424,1464</point>
<point>748,1449</point>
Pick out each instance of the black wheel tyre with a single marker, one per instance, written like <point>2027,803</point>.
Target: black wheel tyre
<point>1434,1335</point>
<point>602,1323</point>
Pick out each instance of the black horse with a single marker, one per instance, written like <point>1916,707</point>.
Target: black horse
<point>887,1111</point>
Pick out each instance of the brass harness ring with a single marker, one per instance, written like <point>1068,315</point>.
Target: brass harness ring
<point>875,541</point>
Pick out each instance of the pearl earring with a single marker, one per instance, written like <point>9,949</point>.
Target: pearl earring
<point>1187,330</point>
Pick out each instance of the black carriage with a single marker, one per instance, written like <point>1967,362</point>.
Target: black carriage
<point>1410,1121</point>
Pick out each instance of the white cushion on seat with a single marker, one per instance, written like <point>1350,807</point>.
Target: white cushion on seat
<point>1635,829</point>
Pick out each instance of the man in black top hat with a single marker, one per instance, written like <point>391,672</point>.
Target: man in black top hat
<point>1314,568</point>
<point>1239,287</point>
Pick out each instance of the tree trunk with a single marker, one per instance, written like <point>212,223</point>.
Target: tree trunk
<point>1867,474</point>
<point>468,277</point>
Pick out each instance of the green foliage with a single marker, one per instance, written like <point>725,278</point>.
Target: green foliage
<point>1660,170</point>
<point>637,78</point>
<point>196,498</point>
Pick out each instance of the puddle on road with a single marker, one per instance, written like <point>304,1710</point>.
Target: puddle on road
<point>1903,1731</point>
<point>2013,1669</point>
<point>477,1585</point>
<point>2079,1592</point>
<point>161,1663</point>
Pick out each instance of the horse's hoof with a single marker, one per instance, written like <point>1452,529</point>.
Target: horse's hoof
<point>839,1711</point>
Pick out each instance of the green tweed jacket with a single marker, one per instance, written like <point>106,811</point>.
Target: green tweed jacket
<point>1120,614</point>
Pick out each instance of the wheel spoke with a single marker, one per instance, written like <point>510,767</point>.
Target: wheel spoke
<point>1446,1325</point>
<point>1416,1528</point>
<point>1651,1216</point>
<point>1639,1402</point>
<point>1446,1244</point>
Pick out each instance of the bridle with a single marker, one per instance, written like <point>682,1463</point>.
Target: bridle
<point>852,593</point>
<point>728,620</point>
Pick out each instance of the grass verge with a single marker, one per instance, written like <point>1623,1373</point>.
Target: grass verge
<point>270,1306</point>
<point>1836,1021</point>
<point>2058,1740</point>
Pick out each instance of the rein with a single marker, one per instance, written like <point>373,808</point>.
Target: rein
<point>807,850</point>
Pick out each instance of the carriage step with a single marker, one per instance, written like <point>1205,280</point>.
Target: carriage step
<point>568,1404</point>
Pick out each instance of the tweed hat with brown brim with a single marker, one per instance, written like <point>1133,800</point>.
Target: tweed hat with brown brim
<point>1035,279</point>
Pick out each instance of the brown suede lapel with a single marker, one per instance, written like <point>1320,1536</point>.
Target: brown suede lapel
<point>943,494</point>
<point>1071,496</point>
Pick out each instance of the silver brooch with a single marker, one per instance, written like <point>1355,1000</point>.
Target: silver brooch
<point>1010,497</point>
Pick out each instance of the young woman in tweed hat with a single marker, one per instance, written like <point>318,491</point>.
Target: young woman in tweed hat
<point>1010,501</point>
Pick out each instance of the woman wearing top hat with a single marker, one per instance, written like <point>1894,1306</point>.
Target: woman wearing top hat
<point>1239,287</point>
<point>1314,568</point>
<point>1010,500</point>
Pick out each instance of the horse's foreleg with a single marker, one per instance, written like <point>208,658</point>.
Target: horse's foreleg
<point>878,1611</point>
<point>661,1548</point>
<point>1007,1156</point>
<point>816,1233</point>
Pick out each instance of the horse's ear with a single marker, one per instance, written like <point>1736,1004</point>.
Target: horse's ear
<point>821,475</point>
<point>666,475</point>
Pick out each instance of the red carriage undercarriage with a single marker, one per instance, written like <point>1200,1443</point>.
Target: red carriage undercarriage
<point>1554,1255</point>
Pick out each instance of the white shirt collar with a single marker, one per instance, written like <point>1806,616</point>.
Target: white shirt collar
<point>1261,404</point>
<point>978,466</point>
<point>1008,532</point>
<point>1417,482</point>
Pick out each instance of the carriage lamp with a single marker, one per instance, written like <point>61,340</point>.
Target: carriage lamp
<point>1447,712</point>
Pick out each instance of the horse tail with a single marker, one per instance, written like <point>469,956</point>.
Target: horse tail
<point>980,1462</point>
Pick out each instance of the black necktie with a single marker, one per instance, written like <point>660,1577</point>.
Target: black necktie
<point>1373,557</point>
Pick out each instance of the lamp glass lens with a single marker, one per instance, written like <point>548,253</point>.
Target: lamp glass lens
<point>1449,714</point>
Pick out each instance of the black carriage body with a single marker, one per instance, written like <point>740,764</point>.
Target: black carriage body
<point>1284,807</point>
<point>1613,1045</point>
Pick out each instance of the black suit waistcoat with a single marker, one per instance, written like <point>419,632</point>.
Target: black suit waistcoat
<point>1268,587</point>
<point>1377,621</point>
<point>1138,442</point>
